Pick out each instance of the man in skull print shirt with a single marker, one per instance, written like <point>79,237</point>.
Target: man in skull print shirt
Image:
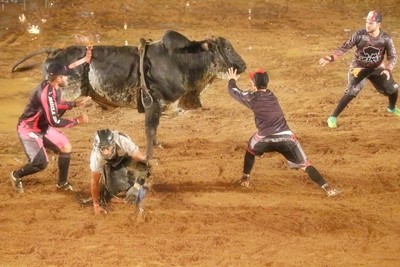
<point>368,63</point>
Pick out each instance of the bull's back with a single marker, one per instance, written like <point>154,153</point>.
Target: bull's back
<point>114,73</point>
<point>111,79</point>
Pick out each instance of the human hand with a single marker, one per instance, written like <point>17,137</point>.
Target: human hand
<point>99,209</point>
<point>325,60</point>
<point>88,56</point>
<point>232,74</point>
<point>83,118</point>
<point>82,101</point>
<point>387,73</point>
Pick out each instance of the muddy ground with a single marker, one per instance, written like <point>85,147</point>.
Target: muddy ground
<point>195,216</point>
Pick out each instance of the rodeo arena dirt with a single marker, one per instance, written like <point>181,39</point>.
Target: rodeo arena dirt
<point>196,214</point>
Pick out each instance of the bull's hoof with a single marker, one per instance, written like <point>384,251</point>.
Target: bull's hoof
<point>180,111</point>
<point>166,115</point>
<point>173,113</point>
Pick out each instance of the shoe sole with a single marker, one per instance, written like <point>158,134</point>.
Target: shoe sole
<point>331,125</point>
<point>395,113</point>
<point>66,189</point>
<point>338,193</point>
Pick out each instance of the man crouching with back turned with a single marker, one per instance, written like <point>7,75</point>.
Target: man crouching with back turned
<point>118,170</point>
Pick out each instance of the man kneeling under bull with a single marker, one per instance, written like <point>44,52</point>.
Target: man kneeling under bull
<point>119,170</point>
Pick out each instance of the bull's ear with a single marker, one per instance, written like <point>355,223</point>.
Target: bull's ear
<point>206,46</point>
<point>213,38</point>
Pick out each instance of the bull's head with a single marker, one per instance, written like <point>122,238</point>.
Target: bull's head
<point>225,55</point>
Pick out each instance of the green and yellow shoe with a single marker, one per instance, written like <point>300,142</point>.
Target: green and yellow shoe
<point>331,122</point>
<point>395,111</point>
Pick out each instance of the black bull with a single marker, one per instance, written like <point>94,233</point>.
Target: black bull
<point>175,69</point>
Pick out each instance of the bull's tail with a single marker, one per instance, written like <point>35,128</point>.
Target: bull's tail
<point>32,54</point>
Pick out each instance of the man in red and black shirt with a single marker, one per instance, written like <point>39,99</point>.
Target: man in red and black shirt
<point>273,133</point>
<point>37,127</point>
<point>368,64</point>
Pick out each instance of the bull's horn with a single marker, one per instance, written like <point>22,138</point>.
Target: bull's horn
<point>32,54</point>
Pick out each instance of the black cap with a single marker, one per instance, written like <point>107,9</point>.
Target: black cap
<point>260,78</point>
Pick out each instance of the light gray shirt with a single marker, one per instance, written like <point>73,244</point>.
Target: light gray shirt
<point>124,146</point>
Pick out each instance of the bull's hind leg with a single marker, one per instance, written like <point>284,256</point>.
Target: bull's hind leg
<point>152,120</point>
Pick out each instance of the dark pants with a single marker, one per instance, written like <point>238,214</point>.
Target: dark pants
<point>357,77</point>
<point>285,144</point>
<point>288,146</point>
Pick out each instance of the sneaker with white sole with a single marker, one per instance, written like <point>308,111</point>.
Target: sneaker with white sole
<point>333,192</point>
<point>245,180</point>
<point>66,187</point>
<point>331,122</point>
<point>395,111</point>
<point>16,183</point>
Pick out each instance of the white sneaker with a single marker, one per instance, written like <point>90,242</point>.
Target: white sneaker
<point>16,183</point>
<point>245,180</point>
<point>333,192</point>
<point>66,187</point>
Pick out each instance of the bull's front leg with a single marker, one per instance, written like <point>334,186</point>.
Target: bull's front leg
<point>152,120</point>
